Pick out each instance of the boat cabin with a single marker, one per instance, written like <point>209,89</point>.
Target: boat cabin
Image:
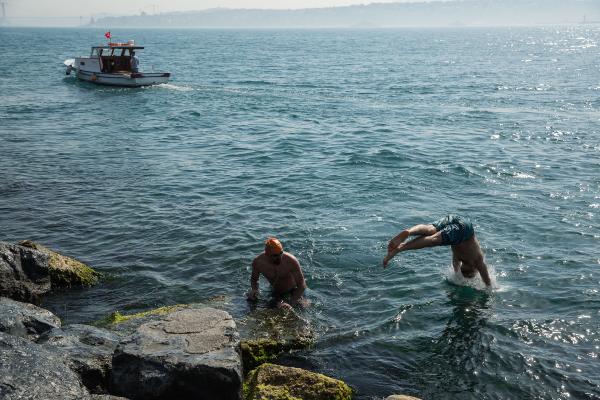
<point>111,64</point>
<point>115,57</point>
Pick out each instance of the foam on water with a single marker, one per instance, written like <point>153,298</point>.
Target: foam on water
<point>457,278</point>
<point>170,86</point>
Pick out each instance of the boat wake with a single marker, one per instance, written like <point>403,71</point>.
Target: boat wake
<point>170,86</point>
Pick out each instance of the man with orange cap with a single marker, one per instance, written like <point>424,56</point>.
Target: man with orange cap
<point>283,272</point>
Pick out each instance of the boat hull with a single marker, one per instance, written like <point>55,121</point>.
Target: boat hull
<point>126,80</point>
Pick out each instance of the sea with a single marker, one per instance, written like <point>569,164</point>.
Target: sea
<point>333,141</point>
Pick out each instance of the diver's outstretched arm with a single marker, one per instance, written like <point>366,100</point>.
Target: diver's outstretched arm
<point>456,262</point>
<point>483,271</point>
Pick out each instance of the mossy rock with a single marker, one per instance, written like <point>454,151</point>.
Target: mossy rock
<point>116,318</point>
<point>276,382</point>
<point>65,271</point>
<point>258,351</point>
<point>268,333</point>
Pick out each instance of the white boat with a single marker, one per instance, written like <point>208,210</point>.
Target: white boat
<point>111,64</point>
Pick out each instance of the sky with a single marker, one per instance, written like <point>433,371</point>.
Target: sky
<point>49,9</point>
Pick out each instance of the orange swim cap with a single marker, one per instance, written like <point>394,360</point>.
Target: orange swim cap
<point>273,246</point>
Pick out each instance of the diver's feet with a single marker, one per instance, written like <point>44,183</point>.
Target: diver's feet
<point>398,240</point>
<point>388,258</point>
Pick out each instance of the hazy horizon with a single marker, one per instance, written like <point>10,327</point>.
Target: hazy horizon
<point>297,13</point>
<point>68,13</point>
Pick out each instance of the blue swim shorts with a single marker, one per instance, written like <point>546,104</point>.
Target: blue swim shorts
<point>454,229</point>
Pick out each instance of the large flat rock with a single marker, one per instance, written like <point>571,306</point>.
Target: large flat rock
<point>30,371</point>
<point>25,320</point>
<point>24,272</point>
<point>186,354</point>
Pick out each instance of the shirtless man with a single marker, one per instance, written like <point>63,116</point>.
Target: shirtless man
<point>449,231</point>
<point>283,272</point>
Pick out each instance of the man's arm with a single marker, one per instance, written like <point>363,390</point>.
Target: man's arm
<point>456,263</point>
<point>253,293</point>
<point>300,282</point>
<point>483,271</point>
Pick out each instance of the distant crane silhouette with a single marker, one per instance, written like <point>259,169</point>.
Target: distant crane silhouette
<point>3,18</point>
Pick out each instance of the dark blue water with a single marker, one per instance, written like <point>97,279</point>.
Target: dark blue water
<point>333,141</point>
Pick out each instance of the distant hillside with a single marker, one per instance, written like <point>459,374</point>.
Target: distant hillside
<point>427,14</point>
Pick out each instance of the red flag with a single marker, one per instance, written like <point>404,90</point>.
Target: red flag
<point>107,35</point>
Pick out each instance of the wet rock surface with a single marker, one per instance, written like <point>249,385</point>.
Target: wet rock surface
<point>25,320</point>
<point>186,354</point>
<point>88,351</point>
<point>24,273</point>
<point>30,371</point>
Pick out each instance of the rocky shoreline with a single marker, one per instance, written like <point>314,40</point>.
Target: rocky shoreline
<point>191,351</point>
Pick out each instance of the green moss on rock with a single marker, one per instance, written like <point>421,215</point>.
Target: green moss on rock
<point>116,318</point>
<point>65,271</point>
<point>276,382</point>
<point>258,351</point>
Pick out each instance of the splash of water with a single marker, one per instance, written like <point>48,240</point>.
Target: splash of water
<point>457,278</point>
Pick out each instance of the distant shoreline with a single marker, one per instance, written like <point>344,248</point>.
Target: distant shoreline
<point>300,28</point>
<point>435,14</point>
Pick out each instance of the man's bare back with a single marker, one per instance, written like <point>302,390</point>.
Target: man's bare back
<point>468,258</point>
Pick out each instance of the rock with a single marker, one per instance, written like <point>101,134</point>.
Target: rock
<point>29,270</point>
<point>89,351</point>
<point>401,397</point>
<point>24,273</point>
<point>268,333</point>
<point>25,320</point>
<point>107,397</point>
<point>65,271</point>
<point>186,354</point>
<point>276,382</point>
<point>29,371</point>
